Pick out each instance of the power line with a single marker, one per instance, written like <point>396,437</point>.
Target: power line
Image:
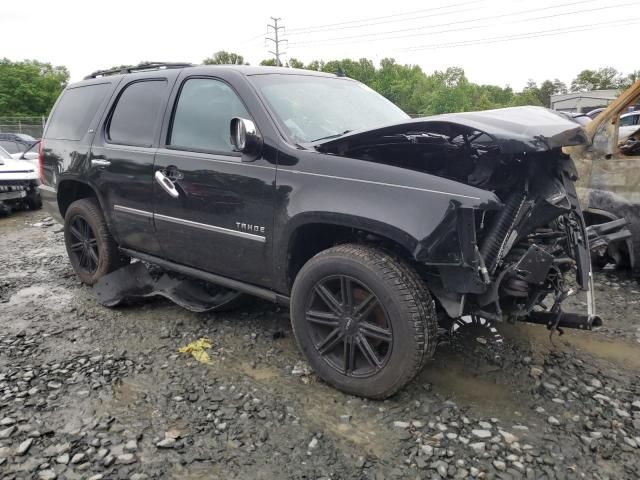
<point>379,36</point>
<point>522,36</point>
<point>448,13</point>
<point>343,25</point>
<point>276,39</point>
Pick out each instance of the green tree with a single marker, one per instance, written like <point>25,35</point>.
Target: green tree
<point>629,80</point>
<point>603,78</point>
<point>29,87</point>
<point>295,63</point>
<point>224,58</point>
<point>269,62</point>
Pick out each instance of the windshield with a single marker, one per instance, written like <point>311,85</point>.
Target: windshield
<point>311,108</point>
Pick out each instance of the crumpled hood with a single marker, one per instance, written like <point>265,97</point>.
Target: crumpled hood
<point>514,130</point>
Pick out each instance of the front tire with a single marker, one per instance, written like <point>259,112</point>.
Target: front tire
<point>364,319</point>
<point>92,250</point>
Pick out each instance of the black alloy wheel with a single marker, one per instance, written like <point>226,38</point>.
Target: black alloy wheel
<point>363,318</point>
<point>84,245</point>
<point>349,326</point>
<point>92,250</point>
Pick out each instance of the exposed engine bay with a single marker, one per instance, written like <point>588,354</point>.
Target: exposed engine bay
<point>515,261</point>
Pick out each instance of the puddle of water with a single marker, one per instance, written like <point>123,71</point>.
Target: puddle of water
<point>259,373</point>
<point>621,352</point>
<point>467,385</point>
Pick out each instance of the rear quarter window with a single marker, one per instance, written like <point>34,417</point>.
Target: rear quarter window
<point>75,110</point>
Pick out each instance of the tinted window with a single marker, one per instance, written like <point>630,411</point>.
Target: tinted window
<point>11,147</point>
<point>4,154</point>
<point>71,117</point>
<point>135,117</point>
<point>203,114</point>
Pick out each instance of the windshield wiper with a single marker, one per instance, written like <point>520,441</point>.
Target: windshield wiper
<point>335,135</point>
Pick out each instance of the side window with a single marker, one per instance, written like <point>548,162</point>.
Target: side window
<point>627,121</point>
<point>134,120</point>
<point>202,116</point>
<point>75,110</point>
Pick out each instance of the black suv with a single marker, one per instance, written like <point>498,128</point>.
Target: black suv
<point>313,191</point>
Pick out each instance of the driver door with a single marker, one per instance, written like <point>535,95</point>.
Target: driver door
<point>219,217</point>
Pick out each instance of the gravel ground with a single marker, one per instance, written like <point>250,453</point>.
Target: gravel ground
<point>92,392</point>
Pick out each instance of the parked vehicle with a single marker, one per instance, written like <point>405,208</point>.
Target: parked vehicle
<point>312,190</point>
<point>629,124</point>
<point>608,171</point>
<point>18,184</point>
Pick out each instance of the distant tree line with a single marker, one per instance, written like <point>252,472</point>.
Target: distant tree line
<point>30,88</point>
<point>415,91</point>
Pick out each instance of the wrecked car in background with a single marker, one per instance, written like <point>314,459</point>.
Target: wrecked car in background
<point>609,176</point>
<point>19,181</point>
<point>375,229</point>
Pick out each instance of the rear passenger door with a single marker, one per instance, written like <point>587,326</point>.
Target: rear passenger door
<point>221,219</point>
<point>122,159</point>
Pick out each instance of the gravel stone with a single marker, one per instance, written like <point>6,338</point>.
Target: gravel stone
<point>166,443</point>
<point>24,446</point>
<point>126,459</point>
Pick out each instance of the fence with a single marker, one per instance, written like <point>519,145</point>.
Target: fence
<point>33,126</point>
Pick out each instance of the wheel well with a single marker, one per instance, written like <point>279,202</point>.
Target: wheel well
<point>71,190</point>
<point>311,239</point>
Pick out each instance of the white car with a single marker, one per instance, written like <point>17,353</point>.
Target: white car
<point>629,124</point>
<point>19,180</point>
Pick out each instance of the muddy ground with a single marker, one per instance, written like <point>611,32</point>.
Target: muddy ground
<point>92,392</point>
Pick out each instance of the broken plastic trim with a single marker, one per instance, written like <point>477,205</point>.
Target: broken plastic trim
<point>134,282</point>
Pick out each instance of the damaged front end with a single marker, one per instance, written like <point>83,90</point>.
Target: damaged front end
<point>516,261</point>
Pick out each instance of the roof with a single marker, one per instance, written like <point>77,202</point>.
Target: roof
<point>243,69</point>
<point>610,94</point>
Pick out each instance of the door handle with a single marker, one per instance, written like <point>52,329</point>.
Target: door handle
<point>166,184</point>
<point>100,163</point>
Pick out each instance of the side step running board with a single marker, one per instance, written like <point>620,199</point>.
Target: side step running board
<point>211,277</point>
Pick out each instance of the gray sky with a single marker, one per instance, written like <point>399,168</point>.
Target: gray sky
<point>482,36</point>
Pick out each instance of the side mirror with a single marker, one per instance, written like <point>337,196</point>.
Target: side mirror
<point>245,138</point>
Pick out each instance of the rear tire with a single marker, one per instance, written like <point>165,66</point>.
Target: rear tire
<point>92,250</point>
<point>372,340</point>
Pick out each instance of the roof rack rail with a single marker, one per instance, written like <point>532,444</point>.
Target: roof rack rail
<point>141,67</point>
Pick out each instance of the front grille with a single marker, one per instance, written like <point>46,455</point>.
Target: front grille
<point>14,185</point>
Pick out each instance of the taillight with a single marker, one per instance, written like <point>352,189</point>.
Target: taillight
<point>41,162</point>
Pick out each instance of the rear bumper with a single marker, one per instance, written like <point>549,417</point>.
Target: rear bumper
<point>50,202</point>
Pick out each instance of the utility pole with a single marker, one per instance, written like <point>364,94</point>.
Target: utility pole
<point>276,39</point>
